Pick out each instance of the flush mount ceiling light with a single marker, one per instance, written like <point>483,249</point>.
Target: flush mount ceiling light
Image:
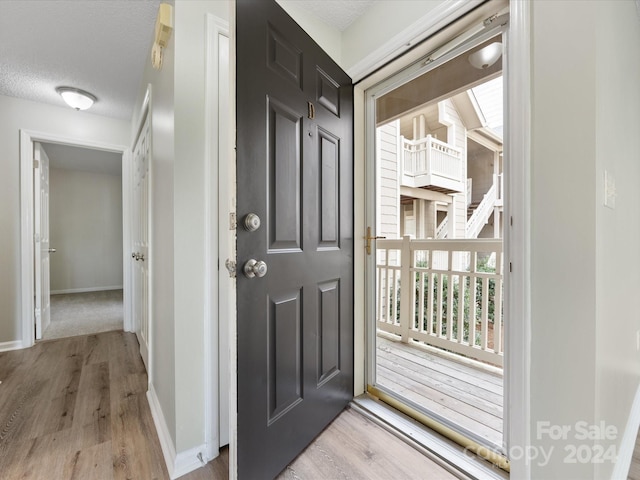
<point>76,98</point>
<point>487,56</point>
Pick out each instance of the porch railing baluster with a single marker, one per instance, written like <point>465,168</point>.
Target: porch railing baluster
<point>412,295</point>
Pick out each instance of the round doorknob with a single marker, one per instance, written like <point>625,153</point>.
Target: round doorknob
<point>251,222</point>
<point>255,268</point>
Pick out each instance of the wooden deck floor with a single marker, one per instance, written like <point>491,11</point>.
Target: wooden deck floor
<point>471,398</point>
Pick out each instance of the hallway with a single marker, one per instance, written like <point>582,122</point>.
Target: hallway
<point>85,313</point>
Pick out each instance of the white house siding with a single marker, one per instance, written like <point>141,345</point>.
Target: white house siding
<point>434,127</point>
<point>388,188</point>
<point>480,169</point>
<point>450,117</point>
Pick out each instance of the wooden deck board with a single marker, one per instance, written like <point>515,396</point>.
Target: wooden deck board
<point>469,397</point>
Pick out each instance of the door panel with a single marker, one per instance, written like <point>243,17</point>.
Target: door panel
<point>295,171</point>
<point>140,233</point>
<point>42,245</point>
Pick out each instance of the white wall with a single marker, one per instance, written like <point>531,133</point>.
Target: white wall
<point>178,224</point>
<point>585,119</point>
<point>85,218</point>
<point>16,114</point>
<point>617,147</point>
<point>161,320</point>
<point>385,20</point>
<point>328,37</point>
<point>190,216</point>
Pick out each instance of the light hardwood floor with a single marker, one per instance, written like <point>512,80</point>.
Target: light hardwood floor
<point>351,448</point>
<point>634,470</point>
<point>76,408</point>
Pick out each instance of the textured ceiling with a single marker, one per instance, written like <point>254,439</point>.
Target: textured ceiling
<point>337,13</point>
<point>97,45</point>
<point>84,159</point>
<point>100,46</point>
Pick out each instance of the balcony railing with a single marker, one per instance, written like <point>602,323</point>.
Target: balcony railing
<point>453,294</point>
<point>428,162</point>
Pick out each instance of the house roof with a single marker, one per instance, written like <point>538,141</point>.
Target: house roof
<point>488,101</point>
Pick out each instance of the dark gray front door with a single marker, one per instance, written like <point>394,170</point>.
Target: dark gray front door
<point>295,172</point>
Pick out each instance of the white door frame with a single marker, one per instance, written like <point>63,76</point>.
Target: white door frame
<point>219,238</point>
<point>27,139</point>
<point>517,218</point>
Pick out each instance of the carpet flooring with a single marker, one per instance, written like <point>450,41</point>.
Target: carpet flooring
<point>84,313</point>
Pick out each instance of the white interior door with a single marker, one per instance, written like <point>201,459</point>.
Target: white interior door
<point>140,247</point>
<point>41,248</point>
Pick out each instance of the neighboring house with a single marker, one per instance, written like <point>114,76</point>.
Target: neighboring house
<point>441,168</point>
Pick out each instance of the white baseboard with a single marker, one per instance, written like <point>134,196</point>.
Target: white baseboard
<point>85,290</point>
<point>628,442</point>
<point>166,443</point>
<point>188,461</point>
<point>177,464</point>
<point>14,345</point>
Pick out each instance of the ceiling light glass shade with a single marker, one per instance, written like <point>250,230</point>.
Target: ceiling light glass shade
<point>76,98</point>
<point>486,56</point>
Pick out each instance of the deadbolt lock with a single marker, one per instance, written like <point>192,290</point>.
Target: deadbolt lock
<point>251,222</point>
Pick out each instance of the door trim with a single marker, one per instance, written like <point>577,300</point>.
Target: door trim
<point>27,138</point>
<point>427,25</point>
<point>145,111</point>
<point>233,315</point>
<point>517,242</point>
<point>218,247</point>
<point>517,429</point>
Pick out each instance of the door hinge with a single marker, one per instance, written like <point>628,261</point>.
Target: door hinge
<point>232,221</point>
<point>36,163</point>
<point>231,267</point>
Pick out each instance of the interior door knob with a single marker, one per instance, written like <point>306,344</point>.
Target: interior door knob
<point>52,250</point>
<point>255,268</point>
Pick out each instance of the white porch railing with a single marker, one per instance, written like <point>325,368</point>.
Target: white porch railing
<point>430,162</point>
<point>443,293</point>
<point>481,215</point>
